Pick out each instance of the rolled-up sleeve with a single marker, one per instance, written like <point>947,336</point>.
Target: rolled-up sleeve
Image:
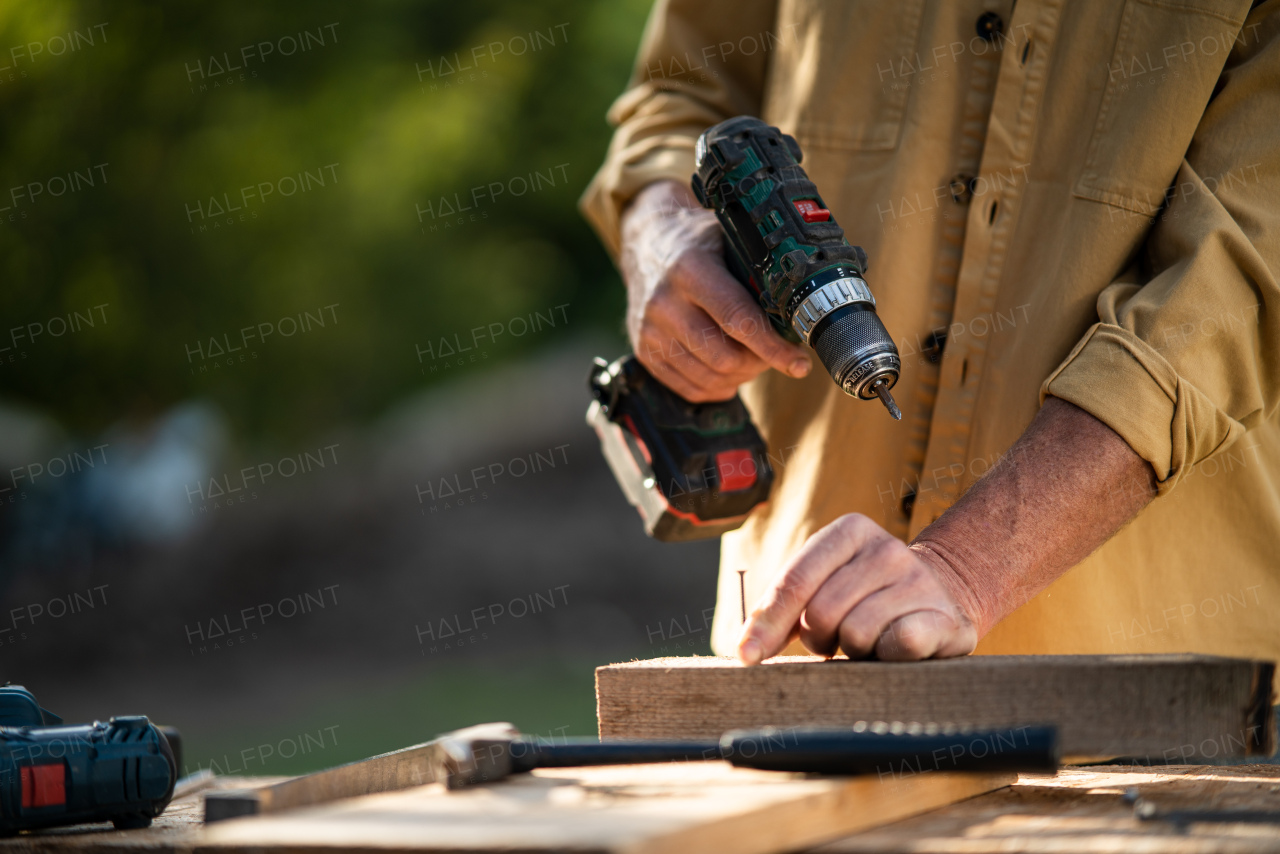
<point>691,72</point>
<point>1186,356</point>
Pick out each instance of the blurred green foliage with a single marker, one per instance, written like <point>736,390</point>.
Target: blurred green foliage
<point>149,91</point>
<point>549,699</point>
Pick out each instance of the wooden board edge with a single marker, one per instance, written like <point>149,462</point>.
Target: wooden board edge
<point>1252,706</point>
<point>599,707</point>
<point>728,662</point>
<point>1260,716</point>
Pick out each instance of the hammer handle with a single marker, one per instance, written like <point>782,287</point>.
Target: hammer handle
<point>811,750</point>
<point>1031,749</point>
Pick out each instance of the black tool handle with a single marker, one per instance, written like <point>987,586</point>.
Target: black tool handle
<point>815,750</point>
<point>527,753</point>
<point>840,751</point>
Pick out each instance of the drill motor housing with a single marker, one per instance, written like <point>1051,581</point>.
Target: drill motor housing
<point>783,244</point>
<point>54,775</point>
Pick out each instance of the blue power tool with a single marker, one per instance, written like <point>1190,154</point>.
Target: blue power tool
<point>54,774</point>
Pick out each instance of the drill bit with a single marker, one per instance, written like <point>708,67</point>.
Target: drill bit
<point>882,391</point>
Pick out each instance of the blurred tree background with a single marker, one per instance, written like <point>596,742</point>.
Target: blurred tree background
<point>194,177</point>
<point>175,108</point>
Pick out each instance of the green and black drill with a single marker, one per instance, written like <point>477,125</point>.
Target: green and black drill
<point>697,470</point>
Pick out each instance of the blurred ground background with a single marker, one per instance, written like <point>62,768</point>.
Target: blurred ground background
<point>177,181</point>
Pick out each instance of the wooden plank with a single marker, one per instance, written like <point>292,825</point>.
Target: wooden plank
<point>175,831</point>
<point>636,809</point>
<point>1083,810</point>
<point>1079,810</point>
<point>1165,708</point>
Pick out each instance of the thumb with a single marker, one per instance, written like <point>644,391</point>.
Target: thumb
<point>736,311</point>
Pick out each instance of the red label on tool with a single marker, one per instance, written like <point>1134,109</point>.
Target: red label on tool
<point>635,432</point>
<point>737,470</point>
<point>810,211</point>
<point>44,785</point>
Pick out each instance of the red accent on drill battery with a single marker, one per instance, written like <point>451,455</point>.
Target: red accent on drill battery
<point>737,470</point>
<point>810,211</point>
<point>635,433</point>
<point>44,785</point>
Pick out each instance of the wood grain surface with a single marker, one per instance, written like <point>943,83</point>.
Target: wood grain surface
<point>1078,810</point>
<point>176,830</point>
<point>637,809</point>
<point>1083,810</point>
<point>1166,708</point>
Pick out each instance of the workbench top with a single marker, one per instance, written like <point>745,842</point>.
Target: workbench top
<point>1080,809</point>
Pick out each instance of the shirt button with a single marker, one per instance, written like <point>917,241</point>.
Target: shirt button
<point>989,25</point>
<point>961,187</point>
<point>933,346</point>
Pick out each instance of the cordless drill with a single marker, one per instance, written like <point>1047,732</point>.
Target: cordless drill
<point>690,480</point>
<point>53,774</point>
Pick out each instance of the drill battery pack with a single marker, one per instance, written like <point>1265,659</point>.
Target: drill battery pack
<point>692,470</point>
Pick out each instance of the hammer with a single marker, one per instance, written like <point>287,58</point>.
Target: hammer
<point>490,752</point>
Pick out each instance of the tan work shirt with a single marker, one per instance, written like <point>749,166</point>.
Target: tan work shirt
<point>1083,201</point>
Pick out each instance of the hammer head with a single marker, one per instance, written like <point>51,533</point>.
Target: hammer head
<point>476,754</point>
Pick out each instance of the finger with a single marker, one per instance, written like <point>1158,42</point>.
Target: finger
<point>874,569</point>
<point>766,631</point>
<point>926,634</point>
<point>682,380</point>
<point>863,627</point>
<point>905,621</point>
<point>691,331</point>
<point>685,376</point>
<point>659,349</point>
<point>711,345</point>
<point>700,382</point>
<point>730,305</point>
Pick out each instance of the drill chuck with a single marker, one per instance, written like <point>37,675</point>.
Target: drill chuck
<point>836,317</point>
<point>787,249</point>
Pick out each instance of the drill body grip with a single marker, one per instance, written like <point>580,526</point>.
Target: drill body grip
<point>122,771</point>
<point>786,248</point>
<point>779,232</point>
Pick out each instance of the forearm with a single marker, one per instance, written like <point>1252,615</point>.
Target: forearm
<point>1065,487</point>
